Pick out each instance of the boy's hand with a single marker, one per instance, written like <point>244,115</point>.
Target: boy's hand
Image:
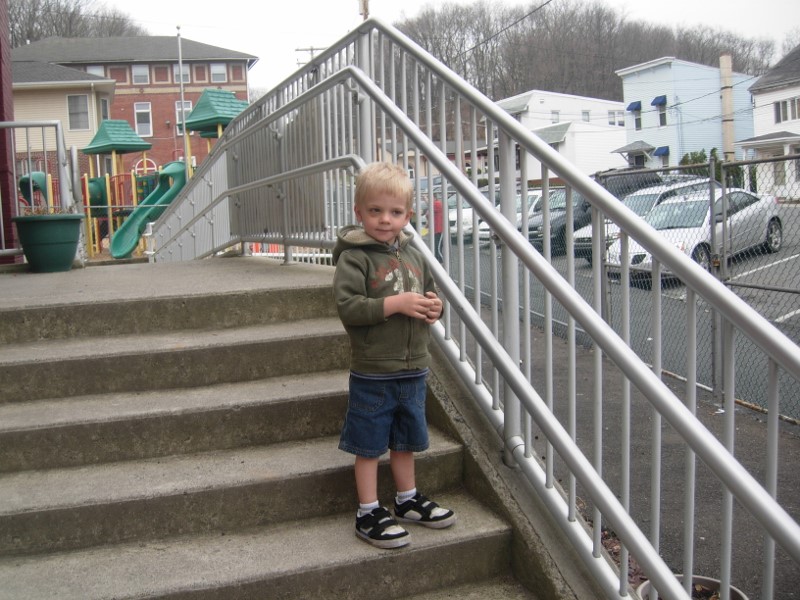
<point>412,305</point>
<point>435,310</point>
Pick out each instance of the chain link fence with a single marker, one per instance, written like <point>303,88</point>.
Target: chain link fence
<point>753,248</point>
<point>749,239</point>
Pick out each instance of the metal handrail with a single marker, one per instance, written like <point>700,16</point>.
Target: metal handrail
<point>307,88</point>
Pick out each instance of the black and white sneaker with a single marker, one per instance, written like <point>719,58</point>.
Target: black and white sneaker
<point>380,529</point>
<point>425,512</point>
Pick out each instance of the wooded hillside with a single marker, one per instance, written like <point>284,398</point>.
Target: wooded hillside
<point>566,46</point>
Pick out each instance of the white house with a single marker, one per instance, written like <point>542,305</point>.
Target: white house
<point>776,121</point>
<point>674,107</point>
<point>584,130</point>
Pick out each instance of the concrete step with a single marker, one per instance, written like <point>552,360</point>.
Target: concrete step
<point>117,299</point>
<point>315,557</point>
<point>83,430</point>
<point>498,588</point>
<point>171,431</point>
<point>62,509</point>
<point>106,319</point>
<point>173,359</point>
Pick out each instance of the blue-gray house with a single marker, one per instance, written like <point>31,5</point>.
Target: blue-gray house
<point>674,107</point>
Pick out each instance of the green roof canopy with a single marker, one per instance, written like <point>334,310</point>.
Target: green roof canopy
<point>215,107</point>
<point>116,135</point>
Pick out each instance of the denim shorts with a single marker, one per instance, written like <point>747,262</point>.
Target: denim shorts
<point>384,414</point>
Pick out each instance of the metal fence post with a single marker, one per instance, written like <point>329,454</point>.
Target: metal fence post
<point>511,291</point>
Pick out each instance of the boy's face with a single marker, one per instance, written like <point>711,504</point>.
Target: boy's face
<point>383,215</point>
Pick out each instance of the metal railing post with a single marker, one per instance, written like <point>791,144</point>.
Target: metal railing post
<point>510,269</point>
<point>366,139</point>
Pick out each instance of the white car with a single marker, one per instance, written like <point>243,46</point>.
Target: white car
<point>466,216</point>
<point>753,221</point>
<point>534,199</point>
<point>641,202</point>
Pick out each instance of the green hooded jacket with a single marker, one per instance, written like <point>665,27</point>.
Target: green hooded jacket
<point>367,271</point>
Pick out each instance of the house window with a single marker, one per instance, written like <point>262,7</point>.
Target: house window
<point>144,119</point>
<point>787,110</point>
<point>176,73</point>
<point>140,74</point>
<point>98,70</point>
<point>637,160</point>
<point>219,73</point>
<point>187,108</point>
<point>616,117</point>
<point>637,120</point>
<point>78,107</point>
<point>662,115</point>
<point>586,115</point>
<point>104,109</point>
<point>554,116</point>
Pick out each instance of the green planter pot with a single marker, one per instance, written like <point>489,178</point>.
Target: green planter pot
<point>49,242</point>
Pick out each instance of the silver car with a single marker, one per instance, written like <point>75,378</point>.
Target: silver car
<point>641,202</point>
<point>753,221</point>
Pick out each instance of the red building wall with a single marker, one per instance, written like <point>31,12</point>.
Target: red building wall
<point>7,187</point>
<point>163,93</point>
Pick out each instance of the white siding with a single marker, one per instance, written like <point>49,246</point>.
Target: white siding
<point>51,105</point>
<point>588,145</point>
<point>694,108</point>
<point>764,112</point>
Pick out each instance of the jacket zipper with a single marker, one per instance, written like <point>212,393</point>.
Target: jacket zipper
<point>406,288</point>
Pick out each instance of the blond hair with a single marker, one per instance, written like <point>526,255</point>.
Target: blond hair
<point>383,177</point>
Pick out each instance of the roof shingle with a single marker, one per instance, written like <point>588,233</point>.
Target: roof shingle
<point>122,49</point>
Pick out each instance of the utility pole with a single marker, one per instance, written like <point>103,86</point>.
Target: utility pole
<point>311,51</point>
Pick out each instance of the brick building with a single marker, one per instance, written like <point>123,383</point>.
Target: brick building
<point>136,79</point>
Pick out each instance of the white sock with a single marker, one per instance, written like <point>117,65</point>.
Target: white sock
<point>404,496</point>
<point>365,509</point>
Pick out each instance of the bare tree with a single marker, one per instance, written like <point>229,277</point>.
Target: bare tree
<point>790,41</point>
<point>32,20</point>
<point>568,46</point>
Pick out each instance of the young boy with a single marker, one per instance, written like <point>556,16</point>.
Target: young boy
<point>385,297</point>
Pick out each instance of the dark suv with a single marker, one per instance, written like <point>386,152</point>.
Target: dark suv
<point>627,180</point>
<point>581,215</point>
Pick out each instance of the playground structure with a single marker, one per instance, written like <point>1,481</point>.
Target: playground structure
<point>171,179</point>
<point>108,200</point>
<point>109,195</point>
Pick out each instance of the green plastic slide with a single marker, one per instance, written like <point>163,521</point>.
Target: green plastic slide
<point>171,180</point>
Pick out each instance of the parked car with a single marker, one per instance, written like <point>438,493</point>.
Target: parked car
<point>581,215</point>
<point>532,204</point>
<point>626,180</point>
<point>466,216</point>
<point>641,202</point>
<point>753,221</point>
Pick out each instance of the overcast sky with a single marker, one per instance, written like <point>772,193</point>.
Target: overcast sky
<point>278,32</point>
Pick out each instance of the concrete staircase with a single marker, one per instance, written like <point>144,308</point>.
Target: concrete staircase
<point>170,432</point>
